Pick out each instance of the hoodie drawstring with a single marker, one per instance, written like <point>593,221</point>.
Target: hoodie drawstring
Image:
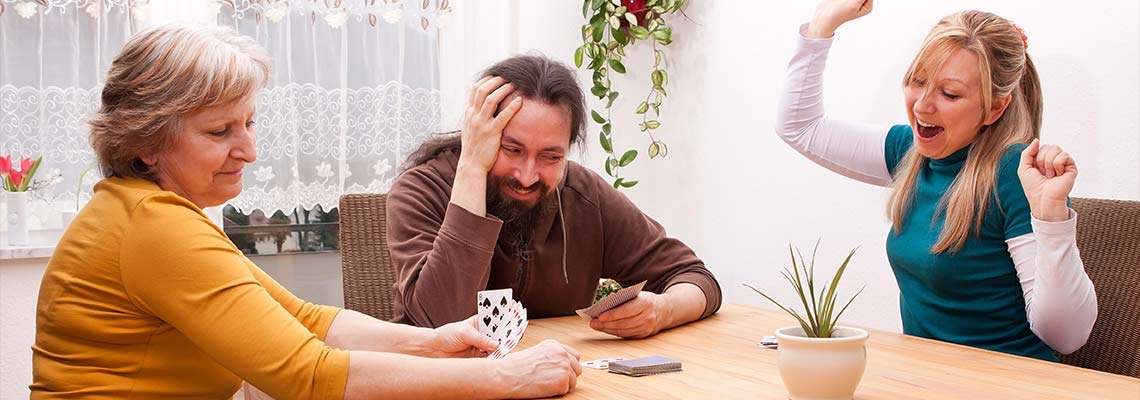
<point>562,219</point>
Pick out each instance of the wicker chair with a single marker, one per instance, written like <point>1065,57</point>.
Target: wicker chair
<point>367,269</point>
<point>1108,235</point>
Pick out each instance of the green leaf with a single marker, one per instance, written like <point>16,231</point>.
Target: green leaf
<point>605,139</point>
<point>658,58</point>
<point>613,44</point>
<point>587,31</point>
<point>654,149</point>
<point>664,78</point>
<point>586,9</point>
<point>612,162</point>
<point>628,184</point>
<point>658,77</point>
<point>617,66</point>
<point>664,149</point>
<point>614,21</point>
<point>620,36</point>
<point>653,24</point>
<point>639,32</point>
<point>628,157</point>
<point>598,29</point>
<point>652,124</point>
<point>612,97</point>
<point>610,166</point>
<point>599,91</point>
<point>606,129</point>
<point>642,108</point>
<point>596,4</point>
<point>659,89</point>
<point>659,9</point>
<point>578,54</point>
<point>657,109</point>
<point>615,2</point>
<point>650,3</point>
<point>631,18</point>
<point>617,183</point>
<point>597,117</point>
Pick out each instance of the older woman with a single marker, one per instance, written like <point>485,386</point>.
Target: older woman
<point>145,297</point>
<point>983,244</point>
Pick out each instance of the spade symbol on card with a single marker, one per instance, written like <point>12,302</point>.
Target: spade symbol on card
<point>495,312</point>
<point>486,302</point>
<point>487,321</point>
<point>494,328</point>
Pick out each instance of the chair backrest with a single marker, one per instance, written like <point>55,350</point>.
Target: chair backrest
<point>368,273</point>
<point>1108,235</point>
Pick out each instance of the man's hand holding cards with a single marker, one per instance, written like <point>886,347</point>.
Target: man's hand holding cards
<point>629,313</point>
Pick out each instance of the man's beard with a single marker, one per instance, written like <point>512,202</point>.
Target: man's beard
<point>519,218</point>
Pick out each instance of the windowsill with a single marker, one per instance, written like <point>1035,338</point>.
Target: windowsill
<point>26,252</point>
<point>41,244</point>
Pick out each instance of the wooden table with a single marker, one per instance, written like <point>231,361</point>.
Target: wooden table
<point>721,360</point>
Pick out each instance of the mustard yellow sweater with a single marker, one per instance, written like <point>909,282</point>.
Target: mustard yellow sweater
<point>146,298</point>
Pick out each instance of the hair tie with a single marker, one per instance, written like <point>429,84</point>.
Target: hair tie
<point>1024,39</point>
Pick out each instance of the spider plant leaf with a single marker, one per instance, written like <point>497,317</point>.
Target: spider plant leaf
<point>791,312</point>
<point>849,303</point>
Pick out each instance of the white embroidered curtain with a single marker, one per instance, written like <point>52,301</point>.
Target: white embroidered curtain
<point>53,58</point>
<point>355,87</point>
<point>357,83</point>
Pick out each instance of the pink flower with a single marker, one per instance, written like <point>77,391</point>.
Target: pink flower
<point>17,180</point>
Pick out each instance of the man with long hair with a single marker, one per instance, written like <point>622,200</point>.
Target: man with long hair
<point>500,206</point>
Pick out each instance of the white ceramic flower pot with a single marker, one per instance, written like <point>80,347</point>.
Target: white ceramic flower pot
<point>17,218</point>
<point>821,368</point>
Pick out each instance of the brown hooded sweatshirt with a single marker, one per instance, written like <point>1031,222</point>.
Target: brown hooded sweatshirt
<point>444,254</point>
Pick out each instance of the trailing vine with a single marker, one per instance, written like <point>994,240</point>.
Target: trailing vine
<point>611,26</point>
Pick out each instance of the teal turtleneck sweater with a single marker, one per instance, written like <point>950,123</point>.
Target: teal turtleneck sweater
<point>973,296</point>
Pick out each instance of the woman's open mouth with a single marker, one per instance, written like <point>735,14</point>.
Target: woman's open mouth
<point>928,131</point>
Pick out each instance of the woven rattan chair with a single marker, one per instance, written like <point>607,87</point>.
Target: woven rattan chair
<point>366,265</point>
<point>1108,235</point>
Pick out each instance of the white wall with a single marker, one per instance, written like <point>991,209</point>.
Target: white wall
<point>738,195</point>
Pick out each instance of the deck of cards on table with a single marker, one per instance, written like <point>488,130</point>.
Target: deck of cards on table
<point>501,318</point>
<point>609,302</point>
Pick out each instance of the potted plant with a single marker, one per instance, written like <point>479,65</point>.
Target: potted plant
<point>818,359</point>
<point>16,179</point>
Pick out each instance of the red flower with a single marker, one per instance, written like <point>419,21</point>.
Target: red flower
<point>5,165</point>
<point>638,8</point>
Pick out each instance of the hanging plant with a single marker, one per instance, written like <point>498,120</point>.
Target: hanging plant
<point>611,26</point>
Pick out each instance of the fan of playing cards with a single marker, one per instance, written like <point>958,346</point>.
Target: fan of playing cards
<point>501,318</point>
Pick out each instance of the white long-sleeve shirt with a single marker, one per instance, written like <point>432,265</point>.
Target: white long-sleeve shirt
<point>1060,302</point>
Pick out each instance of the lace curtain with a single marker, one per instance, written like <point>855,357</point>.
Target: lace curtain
<point>53,57</point>
<point>355,87</point>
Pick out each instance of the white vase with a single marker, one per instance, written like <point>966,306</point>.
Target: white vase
<point>17,218</point>
<point>821,368</point>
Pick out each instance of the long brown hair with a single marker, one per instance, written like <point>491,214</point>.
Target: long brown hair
<point>535,77</point>
<point>1006,70</point>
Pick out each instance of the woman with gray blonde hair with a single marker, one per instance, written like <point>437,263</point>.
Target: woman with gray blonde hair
<point>146,298</point>
<point>983,243</point>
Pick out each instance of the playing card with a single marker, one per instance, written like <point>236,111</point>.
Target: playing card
<point>769,341</point>
<point>501,318</point>
<point>491,308</point>
<point>601,363</point>
<point>609,302</point>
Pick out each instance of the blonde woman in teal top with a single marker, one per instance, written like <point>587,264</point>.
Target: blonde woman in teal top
<point>983,242</point>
